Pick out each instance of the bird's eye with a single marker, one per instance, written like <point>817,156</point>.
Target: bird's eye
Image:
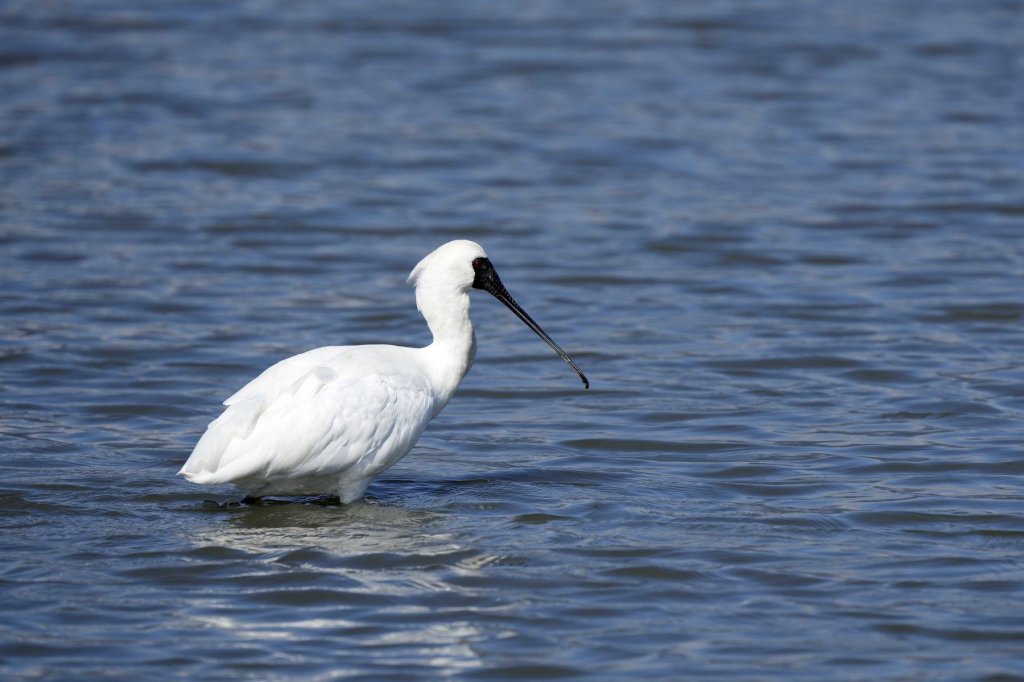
<point>479,264</point>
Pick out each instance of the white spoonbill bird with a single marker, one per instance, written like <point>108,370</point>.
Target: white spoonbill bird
<point>329,420</point>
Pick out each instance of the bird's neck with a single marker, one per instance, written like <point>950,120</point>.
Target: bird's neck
<point>454,347</point>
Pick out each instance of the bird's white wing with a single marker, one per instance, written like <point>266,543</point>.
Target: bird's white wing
<point>280,376</point>
<point>329,411</point>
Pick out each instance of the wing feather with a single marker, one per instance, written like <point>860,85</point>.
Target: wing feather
<point>334,411</point>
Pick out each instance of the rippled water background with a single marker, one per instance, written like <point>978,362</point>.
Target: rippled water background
<point>785,240</point>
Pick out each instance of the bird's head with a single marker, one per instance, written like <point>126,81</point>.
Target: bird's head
<point>449,267</point>
<point>458,266</point>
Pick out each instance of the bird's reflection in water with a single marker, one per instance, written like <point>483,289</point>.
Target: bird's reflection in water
<point>388,580</point>
<point>321,524</point>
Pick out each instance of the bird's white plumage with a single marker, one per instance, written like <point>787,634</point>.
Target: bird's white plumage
<point>330,419</point>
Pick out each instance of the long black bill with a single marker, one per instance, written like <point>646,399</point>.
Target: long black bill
<point>488,280</point>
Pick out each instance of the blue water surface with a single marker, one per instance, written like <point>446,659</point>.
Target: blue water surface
<point>784,240</point>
